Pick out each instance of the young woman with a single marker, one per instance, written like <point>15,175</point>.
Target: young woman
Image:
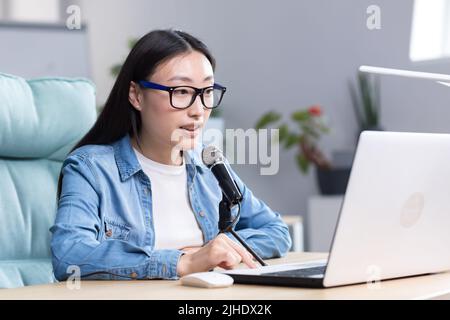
<point>137,203</point>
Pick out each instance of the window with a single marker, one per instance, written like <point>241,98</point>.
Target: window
<point>3,9</point>
<point>47,11</point>
<point>430,30</point>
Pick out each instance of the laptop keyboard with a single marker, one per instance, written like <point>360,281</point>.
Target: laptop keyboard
<point>298,273</point>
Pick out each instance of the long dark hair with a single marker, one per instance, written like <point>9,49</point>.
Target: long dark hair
<point>118,116</point>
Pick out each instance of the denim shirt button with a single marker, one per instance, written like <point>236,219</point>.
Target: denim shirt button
<point>201,213</point>
<point>134,275</point>
<point>109,233</point>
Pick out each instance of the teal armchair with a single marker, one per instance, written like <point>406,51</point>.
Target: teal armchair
<point>40,121</point>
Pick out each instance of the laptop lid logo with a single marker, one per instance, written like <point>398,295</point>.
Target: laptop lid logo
<point>412,210</point>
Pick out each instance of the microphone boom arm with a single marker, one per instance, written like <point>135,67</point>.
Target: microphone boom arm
<point>227,223</point>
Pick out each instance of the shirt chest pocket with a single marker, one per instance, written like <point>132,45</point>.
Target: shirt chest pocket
<point>116,230</point>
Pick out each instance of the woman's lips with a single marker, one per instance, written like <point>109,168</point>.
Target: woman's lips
<point>191,130</point>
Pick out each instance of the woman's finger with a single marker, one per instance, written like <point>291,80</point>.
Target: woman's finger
<point>246,256</point>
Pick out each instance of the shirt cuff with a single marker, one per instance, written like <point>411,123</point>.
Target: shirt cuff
<point>163,264</point>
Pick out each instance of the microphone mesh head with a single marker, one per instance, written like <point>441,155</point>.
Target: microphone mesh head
<point>211,155</point>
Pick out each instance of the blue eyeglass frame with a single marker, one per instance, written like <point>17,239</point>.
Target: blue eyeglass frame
<point>198,91</point>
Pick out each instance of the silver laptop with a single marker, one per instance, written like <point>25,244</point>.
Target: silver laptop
<point>394,221</point>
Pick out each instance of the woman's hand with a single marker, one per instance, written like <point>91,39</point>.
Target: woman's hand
<point>190,249</point>
<point>219,252</point>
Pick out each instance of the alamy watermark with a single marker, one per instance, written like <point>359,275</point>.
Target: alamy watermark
<point>251,146</point>
<point>373,277</point>
<point>74,279</point>
<point>373,21</point>
<point>73,21</point>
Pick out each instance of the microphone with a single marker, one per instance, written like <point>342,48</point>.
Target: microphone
<point>213,158</point>
<point>231,195</point>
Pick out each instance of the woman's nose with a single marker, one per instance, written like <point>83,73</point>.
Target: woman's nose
<point>196,109</point>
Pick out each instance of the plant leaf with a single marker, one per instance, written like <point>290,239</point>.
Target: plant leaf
<point>356,103</point>
<point>216,113</point>
<point>310,131</point>
<point>377,98</point>
<point>302,163</point>
<point>132,42</point>
<point>291,140</point>
<point>266,119</point>
<point>283,132</point>
<point>300,116</point>
<point>115,69</point>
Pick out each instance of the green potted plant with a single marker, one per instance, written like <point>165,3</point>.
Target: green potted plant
<point>115,69</point>
<point>366,101</point>
<point>309,126</point>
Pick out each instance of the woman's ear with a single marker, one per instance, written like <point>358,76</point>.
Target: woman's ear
<point>134,96</point>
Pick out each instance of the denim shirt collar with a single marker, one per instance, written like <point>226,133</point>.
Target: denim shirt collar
<point>128,164</point>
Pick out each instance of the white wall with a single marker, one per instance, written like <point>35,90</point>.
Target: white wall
<point>284,55</point>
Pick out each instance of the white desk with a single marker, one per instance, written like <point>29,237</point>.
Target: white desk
<point>435,286</point>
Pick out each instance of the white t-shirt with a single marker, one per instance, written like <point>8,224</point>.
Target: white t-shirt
<point>173,219</point>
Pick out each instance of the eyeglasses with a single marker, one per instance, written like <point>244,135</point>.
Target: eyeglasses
<point>182,97</point>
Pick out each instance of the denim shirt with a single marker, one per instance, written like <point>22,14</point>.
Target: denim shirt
<point>104,223</point>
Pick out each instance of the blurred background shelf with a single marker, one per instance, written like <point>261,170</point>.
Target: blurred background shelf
<point>321,220</point>
<point>296,230</point>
